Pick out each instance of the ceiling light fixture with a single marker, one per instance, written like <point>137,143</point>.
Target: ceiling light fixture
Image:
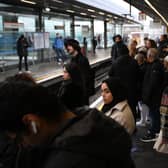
<point>91,10</point>
<point>71,11</point>
<point>83,14</point>
<point>101,13</point>
<point>47,9</point>
<point>29,2</point>
<point>109,15</point>
<point>57,1</point>
<point>93,16</point>
<point>156,11</point>
<point>78,7</point>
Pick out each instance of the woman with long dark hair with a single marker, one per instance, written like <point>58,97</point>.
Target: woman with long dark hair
<point>71,91</point>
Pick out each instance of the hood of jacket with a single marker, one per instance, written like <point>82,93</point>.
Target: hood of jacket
<point>95,135</point>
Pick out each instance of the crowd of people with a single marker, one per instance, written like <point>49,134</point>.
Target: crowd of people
<point>48,129</point>
<point>143,72</point>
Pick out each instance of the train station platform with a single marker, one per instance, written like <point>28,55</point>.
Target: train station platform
<point>50,70</point>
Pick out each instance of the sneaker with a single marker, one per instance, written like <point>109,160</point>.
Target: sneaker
<point>29,72</point>
<point>140,124</point>
<point>148,138</point>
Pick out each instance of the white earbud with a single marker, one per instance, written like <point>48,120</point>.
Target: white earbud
<point>34,127</point>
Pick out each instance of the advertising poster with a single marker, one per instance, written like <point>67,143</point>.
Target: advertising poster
<point>41,40</point>
<point>46,40</point>
<point>38,40</point>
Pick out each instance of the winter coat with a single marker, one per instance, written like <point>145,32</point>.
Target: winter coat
<point>22,46</point>
<point>86,72</point>
<point>127,69</point>
<point>116,50</point>
<point>122,113</point>
<point>58,43</point>
<point>71,94</point>
<point>90,140</point>
<point>152,84</point>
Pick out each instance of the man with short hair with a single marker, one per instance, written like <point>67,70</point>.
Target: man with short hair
<point>74,50</point>
<point>117,47</point>
<point>151,92</point>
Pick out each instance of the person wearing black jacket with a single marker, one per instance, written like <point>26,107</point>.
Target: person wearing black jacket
<point>118,47</point>
<point>57,137</point>
<point>151,92</point>
<point>71,91</point>
<point>22,51</point>
<point>127,69</point>
<point>74,50</point>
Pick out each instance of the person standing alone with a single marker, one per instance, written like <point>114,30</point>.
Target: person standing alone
<point>22,46</point>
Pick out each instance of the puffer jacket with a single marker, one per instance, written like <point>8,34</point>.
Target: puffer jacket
<point>91,140</point>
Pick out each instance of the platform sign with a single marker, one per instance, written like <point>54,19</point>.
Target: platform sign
<point>142,16</point>
<point>59,27</point>
<point>13,25</point>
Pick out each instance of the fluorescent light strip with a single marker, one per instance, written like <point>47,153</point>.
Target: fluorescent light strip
<point>91,10</point>
<point>83,14</point>
<point>29,2</point>
<point>57,1</point>
<point>76,6</point>
<point>155,10</point>
<point>93,16</point>
<point>101,13</point>
<point>109,15</point>
<point>71,11</point>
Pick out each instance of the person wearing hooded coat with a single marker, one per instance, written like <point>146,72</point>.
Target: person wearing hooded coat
<point>115,103</point>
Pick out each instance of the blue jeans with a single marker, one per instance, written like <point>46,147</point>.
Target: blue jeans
<point>60,54</point>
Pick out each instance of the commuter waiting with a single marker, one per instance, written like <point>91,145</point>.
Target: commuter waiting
<point>22,46</point>
<point>57,137</point>
<point>127,69</point>
<point>74,50</point>
<point>151,93</point>
<point>132,48</point>
<point>115,103</point>
<point>59,48</point>
<point>143,108</point>
<point>71,91</point>
<point>117,47</point>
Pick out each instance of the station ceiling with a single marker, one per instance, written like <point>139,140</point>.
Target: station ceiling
<point>160,5</point>
<point>71,7</point>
